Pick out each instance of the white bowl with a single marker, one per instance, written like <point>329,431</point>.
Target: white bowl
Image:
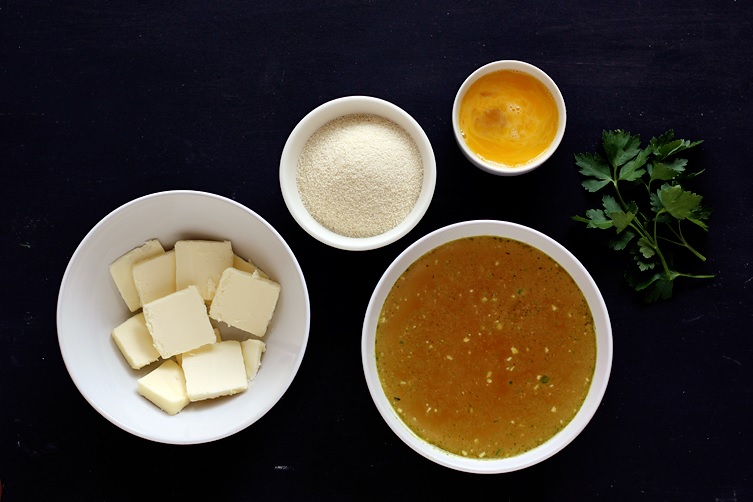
<point>89,307</point>
<point>603,341</point>
<point>309,125</point>
<point>520,66</point>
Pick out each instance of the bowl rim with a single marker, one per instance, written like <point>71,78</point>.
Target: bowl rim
<point>541,75</point>
<point>76,376</point>
<point>319,116</point>
<point>603,333</point>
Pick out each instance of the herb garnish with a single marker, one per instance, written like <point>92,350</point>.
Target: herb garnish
<point>649,207</point>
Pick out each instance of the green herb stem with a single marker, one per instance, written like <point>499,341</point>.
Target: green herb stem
<point>683,242</point>
<point>655,242</point>
<point>653,220</point>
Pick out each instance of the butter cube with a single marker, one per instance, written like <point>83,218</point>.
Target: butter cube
<point>215,370</point>
<point>201,263</point>
<point>155,277</point>
<point>245,301</point>
<point>165,386</point>
<point>179,322</point>
<point>218,338</point>
<point>121,272</point>
<point>134,341</point>
<point>247,266</point>
<point>252,351</point>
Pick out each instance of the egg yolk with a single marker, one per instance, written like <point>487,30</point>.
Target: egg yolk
<point>508,117</point>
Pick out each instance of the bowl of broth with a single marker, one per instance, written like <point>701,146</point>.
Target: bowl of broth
<point>486,346</point>
<point>508,117</point>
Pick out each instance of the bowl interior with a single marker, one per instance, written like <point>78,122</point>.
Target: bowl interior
<point>89,307</point>
<point>583,280</point>
<point>525,68</point>
<point>309,125</point>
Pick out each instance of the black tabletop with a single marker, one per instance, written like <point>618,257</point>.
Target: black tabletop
<point>104,102</point>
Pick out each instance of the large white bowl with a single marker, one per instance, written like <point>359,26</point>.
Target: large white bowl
<point>320,116</point>
<point>518,66</point>
<point>89,307</point>
<point>583,280</point>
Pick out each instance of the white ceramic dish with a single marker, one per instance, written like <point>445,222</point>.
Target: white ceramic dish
<point>603,339</point>
<point>89,307</point>
<point>520,66</point>
<point>309,125</point>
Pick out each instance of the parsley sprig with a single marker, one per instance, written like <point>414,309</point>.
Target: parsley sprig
<point>648,207</point>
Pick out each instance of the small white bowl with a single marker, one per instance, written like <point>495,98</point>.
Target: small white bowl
<point>603,341</point>
<point>89,307</point>
<point>309,125</point>
<point>492,167</point>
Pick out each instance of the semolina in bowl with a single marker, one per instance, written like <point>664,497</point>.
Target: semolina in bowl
<point>357,173</point>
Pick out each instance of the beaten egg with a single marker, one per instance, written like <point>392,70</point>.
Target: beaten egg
<point>508,117</point>
<point>485,347</point>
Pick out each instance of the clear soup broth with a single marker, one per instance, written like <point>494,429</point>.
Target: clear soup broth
<point>485,347</point>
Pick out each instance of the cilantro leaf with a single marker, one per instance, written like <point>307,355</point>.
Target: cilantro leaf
<point>597,219</point>
<point>665,145</point>
<point>594,166</point>
<point>646,247</point>
<point>678,202</point>
<point>665,171</point>
<point>700,214</point>
<point>639,283</point>
<point>647,226</point>
<point>621,240</point>
<point>610,204</point>
<point>633,169</point>
<point>621,220</point>
<point>655,287</point>
<point>620,146</point>
<point>661,289</point>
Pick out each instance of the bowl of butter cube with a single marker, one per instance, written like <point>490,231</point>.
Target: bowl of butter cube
<point>183,317</point>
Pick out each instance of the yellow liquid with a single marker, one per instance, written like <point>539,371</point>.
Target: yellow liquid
<point>486,347</point>
<point>508,118</point>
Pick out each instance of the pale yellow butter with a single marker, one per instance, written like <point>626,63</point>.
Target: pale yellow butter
<point>215,370</point>
<point>155,277</point>
<point>247,266</point>
<point>179,322</point>
<point>245,301</point>
<point>165,386</point>
<point>252,351</point>
<point>121,271</point>
<point>184,293</point>
<point>134,341</point>
<point>218,338</point>
<point>200,263</point>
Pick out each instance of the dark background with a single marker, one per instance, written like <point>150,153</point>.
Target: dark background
<point>103,102</point>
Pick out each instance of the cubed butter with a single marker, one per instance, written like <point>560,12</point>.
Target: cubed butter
<point>179,322</point>
<point>121,271</point>
<point>218,338</point>
<point>247,266</point>
<point>165,386</point>
<point>215,370</point>
<point>252,351</point>
<point>134,341</point>
<point>245,301</point>
<point>155,277</point>
<point>200,263</point>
